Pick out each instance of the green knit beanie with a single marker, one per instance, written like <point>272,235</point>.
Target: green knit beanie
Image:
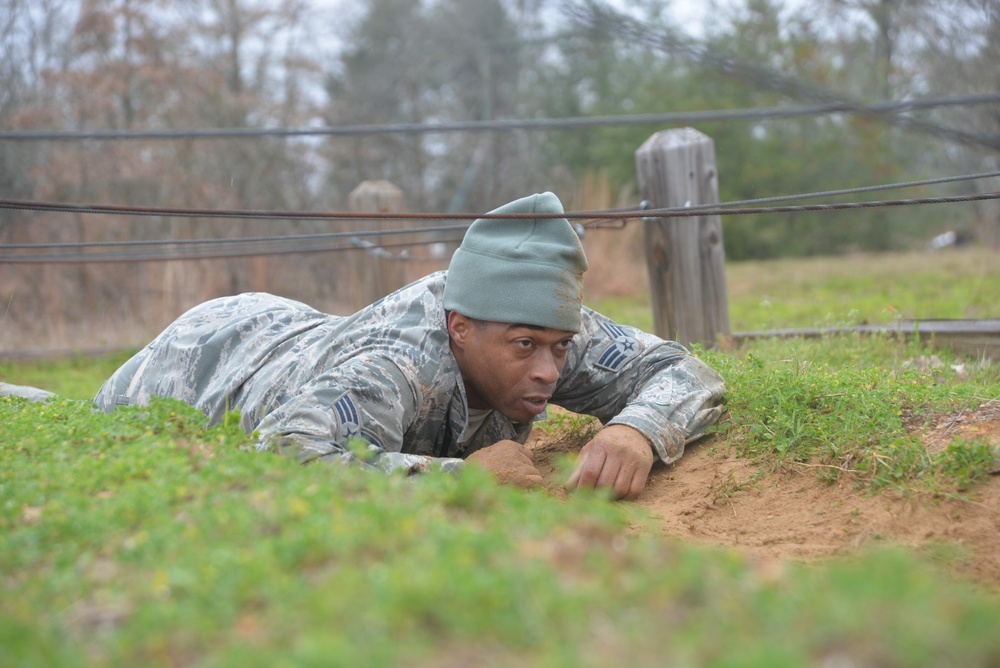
<point>526,271</point>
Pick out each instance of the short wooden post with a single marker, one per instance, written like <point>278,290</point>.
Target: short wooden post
<point>684,256</point>
<point>376,274</point>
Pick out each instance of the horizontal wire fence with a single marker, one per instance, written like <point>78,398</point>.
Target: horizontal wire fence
<point>395,244</point>
<point>884,110</point>
<point>190,249</point>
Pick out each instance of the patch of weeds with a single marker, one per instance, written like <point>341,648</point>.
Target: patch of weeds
<point>571,429</point>
<point>732,485</point>
<point>843,404</point>
<point>966,463</point>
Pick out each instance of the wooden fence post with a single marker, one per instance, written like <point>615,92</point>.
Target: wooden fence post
<point>375,273</point>
<point>684,256</point>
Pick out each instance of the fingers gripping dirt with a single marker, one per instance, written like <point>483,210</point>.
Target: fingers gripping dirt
<point>618,458</point>
<point>509,462</point>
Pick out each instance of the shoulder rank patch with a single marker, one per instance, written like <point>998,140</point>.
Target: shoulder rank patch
<point>347,413</point>
<point>621,349</point>
<point>350,422</point>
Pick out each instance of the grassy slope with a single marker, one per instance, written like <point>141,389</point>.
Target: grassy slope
<point>848,290</point>
<point>143,538</point>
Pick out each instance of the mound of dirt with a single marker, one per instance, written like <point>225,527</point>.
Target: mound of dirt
<point>721,500</point>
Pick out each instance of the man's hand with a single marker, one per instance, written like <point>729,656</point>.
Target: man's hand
<point>509,462</point>
<point>619,458</point>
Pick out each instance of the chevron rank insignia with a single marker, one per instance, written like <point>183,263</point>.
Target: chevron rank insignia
<point>621,349</point>
<point>347,413</point>
<point>350,422</point>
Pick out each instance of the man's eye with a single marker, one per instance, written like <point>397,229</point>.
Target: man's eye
<point>524,343</point>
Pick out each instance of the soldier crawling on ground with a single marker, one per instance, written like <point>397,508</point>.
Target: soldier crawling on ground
<point>452,368</point>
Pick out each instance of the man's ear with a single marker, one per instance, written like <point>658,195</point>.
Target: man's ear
<point>458,328</point>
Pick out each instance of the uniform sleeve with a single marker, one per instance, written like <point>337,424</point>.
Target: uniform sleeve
<point>622,375</point>
<point>367,404</point>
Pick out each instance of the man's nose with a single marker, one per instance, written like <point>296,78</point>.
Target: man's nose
<point>544,368</point>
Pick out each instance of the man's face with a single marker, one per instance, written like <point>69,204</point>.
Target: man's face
<point>509,368</point>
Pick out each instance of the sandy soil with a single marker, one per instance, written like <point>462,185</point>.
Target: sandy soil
<point>714,499</point>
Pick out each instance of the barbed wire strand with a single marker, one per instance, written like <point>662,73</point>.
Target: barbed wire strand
<point>290,237</point>
<point>702,210</point>
<point>267,245</point>
<point>109,209</point>
<point>828,107</point>
<point>843,191</point>
<point>215,250</point>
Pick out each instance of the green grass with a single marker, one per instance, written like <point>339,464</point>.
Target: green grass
<point>848,405</point>
<point>144,538</point>
<point>76,378</point>
<point>818,292</point>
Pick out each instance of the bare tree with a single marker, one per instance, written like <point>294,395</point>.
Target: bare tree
<point>149,64</point>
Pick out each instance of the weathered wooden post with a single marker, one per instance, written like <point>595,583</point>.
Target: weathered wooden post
<point>375,273</point>
<point>684,256</point>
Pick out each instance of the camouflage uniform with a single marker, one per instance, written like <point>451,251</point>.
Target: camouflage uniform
<point>309,382</point>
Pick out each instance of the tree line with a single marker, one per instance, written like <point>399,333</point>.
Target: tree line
<point>150,64</point>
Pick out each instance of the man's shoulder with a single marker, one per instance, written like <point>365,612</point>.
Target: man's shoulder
<point>408,328</point>
<point>417,304</point>
<point>430,286</point>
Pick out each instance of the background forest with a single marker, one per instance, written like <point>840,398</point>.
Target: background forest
<point>154,65</point>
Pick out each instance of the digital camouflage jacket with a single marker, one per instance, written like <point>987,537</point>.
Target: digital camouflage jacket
<point>309,382</point>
